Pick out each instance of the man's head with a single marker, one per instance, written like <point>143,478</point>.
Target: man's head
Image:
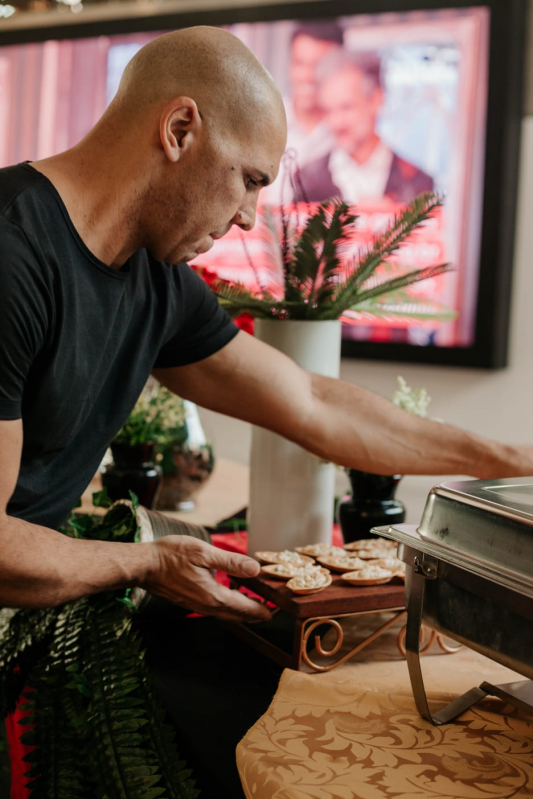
<point>203,121</point>
<point>351,96</point>
<point>311,41</point>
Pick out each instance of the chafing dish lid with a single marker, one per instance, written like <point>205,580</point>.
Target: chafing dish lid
<point>486,526</point>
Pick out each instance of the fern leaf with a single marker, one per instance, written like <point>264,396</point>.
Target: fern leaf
<point>24,640</point>
<point>126,763</point>
<point>59,770</point>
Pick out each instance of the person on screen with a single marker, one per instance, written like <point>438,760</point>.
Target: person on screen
<point>308,134</point>
<point>360,167</point>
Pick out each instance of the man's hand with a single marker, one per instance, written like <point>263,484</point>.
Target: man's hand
<point>182,574</point>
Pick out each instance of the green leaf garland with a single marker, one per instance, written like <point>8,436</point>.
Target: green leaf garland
<point>97,728</point>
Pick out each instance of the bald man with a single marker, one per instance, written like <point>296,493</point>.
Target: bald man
<point>96,296</point>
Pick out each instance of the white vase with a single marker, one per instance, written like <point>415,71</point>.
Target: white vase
<point>292,491</point>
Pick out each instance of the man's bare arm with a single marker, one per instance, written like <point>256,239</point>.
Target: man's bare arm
<point>334,419</point>
<point>40,567</point>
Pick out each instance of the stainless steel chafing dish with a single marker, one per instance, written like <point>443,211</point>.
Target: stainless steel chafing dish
<point>470,577</point>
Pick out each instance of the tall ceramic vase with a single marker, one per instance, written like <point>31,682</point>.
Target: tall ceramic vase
<point>292,491</point>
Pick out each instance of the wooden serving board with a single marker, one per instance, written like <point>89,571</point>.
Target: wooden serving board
<point>337,599</point>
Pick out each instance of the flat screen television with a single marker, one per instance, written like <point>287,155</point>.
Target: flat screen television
<point>384,99</point>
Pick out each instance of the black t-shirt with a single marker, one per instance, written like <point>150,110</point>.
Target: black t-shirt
<point>78,340</point>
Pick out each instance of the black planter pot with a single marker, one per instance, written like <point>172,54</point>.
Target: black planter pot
<point>371,504</point>
<point>133,469</point>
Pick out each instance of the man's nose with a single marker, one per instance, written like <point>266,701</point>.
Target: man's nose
<point>245,217</point>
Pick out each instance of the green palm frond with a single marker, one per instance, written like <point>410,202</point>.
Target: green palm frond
<point>316,256</point>
<point>402,226</point>
<point>384,286</point>
<point>318,281</point>
<point>236,299</point>
<point>405,310</point>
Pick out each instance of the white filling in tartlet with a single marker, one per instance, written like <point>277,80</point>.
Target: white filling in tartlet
<point>310,579</point>
<point>287,570</point>
<point>371,543</point>
<point>369,573</point>
<point>316,550</point>
<point>393,564</point>
<point>343,562</point>
<point>372,554</point>
<point>292,558</point>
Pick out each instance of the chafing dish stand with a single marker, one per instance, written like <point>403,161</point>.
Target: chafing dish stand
<point>470,577</point>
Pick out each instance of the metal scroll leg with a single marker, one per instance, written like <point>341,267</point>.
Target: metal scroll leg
<point>415,584</point>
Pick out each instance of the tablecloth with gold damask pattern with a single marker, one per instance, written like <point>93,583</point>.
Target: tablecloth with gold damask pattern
<point>346,735</point>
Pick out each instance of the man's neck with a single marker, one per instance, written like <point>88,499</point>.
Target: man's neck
<point>364,149</point>
<point>99,219</point>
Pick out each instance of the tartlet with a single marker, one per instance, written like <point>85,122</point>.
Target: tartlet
<point>318,550</point>
<point>293,558</point>
<point>310,582</point>
<point>369,575</point>
<point>341,564</point>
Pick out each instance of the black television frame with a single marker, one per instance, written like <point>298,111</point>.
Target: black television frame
<point>507,51</point>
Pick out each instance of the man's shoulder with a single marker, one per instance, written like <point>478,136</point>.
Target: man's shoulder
<point>14,181</point>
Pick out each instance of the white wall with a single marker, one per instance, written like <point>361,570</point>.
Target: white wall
<point>494,404</point>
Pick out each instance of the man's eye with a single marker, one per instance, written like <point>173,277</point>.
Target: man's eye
<point>251,183</point>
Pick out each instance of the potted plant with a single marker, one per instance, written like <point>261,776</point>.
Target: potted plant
<point>185,455</point>
<point>97,728</point>
<point>310,287</point>
<point>372,502</point>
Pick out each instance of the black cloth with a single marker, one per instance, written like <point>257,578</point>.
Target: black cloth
<point>214,688</point>
<point>78,340</point>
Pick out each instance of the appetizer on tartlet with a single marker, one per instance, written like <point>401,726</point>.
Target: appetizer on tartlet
<point>342,563</point>
<point>292,558</point>
<point>310,581</point>
<point>369,575</point>
<point>371,543</point>
<point>284,571</point>
<point>317,550</point>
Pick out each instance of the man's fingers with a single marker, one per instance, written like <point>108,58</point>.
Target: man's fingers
<point>238,605</point>
<point>210,557</point>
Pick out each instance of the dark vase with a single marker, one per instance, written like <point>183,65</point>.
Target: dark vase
<point>133,469</point>
<point>371,504</point>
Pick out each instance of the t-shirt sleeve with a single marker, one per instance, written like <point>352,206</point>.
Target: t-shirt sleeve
<point>204,327</point>
<point>24,312</point>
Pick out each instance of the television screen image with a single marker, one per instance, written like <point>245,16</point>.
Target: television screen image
<point>380,107</point>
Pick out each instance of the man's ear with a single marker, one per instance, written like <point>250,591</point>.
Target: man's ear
<point>179,127</point>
